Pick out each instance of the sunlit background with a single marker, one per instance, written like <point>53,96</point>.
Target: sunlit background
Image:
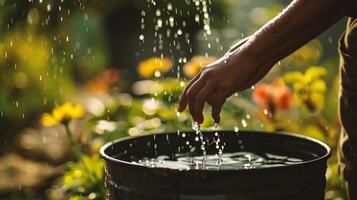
<point>102,70</point>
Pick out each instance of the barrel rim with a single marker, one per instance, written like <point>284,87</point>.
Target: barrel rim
<point>326,155</point>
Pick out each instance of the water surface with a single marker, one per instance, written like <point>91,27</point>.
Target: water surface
<point>236,161</point>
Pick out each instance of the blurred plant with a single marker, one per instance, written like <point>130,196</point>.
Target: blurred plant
<point>309,87</point>
<point>308,54</point>
<point>154,67</point>
<point>85,179</point>
<point>310,91</point>
<point>63,115</point>
<point>102,83</point>
<point>273,96</point>
<point>194,65</point>
<point>26,73</point>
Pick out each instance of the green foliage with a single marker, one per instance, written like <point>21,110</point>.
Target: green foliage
<point>85,178</point>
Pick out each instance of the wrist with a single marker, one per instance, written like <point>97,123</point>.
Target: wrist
<point>243,56</point>
<point>241,49</point>
<point>255,55</point>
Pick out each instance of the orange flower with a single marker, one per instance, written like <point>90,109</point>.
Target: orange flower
<point>283,98</point>
<point>192,67</point>
<point>275,95</point>
<point>97,86</point>
<point>110,76</point>
<point>262,95</point>
<point>102,83</point>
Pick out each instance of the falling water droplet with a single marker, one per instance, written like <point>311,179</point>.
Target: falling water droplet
<point>266,112</point>
<point>141,37</point>
<point>48,7</point>
<point>157,74</point>
<point>197,18</point>
<point>244,123</point>
<point>158,12</point>
<point>169,6</point>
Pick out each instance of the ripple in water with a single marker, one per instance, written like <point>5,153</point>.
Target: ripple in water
<point>229,161</point>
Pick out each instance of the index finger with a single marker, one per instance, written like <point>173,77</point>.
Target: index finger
<point>201,98</point>
<point>183,99</point>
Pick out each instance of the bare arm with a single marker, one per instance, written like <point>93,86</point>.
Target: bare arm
<point>300,22</point>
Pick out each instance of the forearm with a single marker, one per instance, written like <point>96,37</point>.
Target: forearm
<point>300,22</point>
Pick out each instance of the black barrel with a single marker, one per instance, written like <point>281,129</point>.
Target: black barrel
<point>301,181</point>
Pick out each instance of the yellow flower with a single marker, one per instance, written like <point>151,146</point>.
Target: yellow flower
<point>309,87</point>
<point>192,67</point>
<point>315,72</point>
<point>153,65</point>
<point>62,114</point>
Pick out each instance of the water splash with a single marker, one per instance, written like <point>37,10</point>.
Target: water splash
<point>219,146</point>
<point>236,129</point>
<point>197,127</point>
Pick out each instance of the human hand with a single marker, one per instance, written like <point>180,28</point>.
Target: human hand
<point>217,81</point>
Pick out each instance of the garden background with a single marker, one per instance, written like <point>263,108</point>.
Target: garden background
<point>102,70</point>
